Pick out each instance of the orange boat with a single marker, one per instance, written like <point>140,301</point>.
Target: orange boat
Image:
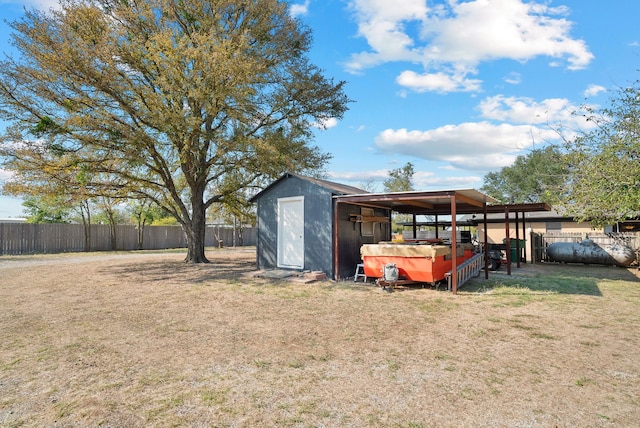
<point>415,261</point>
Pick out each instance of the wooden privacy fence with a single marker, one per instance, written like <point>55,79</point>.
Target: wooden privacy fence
<point>542,240</point>
<point>21,238</point>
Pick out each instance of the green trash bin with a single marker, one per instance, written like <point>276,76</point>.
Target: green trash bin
<point>514,251</point>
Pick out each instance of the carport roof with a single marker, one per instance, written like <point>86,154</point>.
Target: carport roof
<point>468,201</point>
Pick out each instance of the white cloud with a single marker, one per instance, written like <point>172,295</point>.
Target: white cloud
<point>326,123</point>
<point>455,37</point>
<point>478,146</point>
<point>526,110</point>
<point>556,113</point>
<point>38,4</point>
<point>5,175</point>
<point>360,177</point>
<point>484,30</point>
<point>422,180</point>
<point>437,82</point>
<point>512,124</point>
<point>439,182</point>
<point>382,23</point>
<point>513,78</point>
<point>299,9</point>
<point>594,90</point>
<point>378,175</point>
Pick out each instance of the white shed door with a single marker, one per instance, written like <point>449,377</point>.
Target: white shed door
<point>291,232</point>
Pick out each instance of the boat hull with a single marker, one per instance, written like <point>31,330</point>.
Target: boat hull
<point>419,263</point>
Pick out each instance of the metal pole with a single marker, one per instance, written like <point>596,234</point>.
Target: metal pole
<point>454,247</point>
<point>415,228</point>
<point>336,236</point>
<point>486,244</point>
<point>524,236</point>
<point>517,242</point>
<point>507,239</point>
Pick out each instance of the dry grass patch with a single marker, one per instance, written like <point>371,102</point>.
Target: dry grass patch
<point>145,340</point>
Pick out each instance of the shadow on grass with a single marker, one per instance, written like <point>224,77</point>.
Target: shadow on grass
<point>179,272</point>
<point>518,283</point>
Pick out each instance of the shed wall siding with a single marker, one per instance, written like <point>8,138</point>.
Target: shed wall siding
<point>317,227</point>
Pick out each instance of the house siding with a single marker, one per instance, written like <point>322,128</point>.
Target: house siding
<point>496,231</point>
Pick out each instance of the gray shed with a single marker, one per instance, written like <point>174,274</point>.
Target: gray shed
<point>297,221</point>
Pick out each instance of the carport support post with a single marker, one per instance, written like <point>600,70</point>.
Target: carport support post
<point>517,241</point>
<point>454,247</point>
<point>507,239</point>
<point>524,236</point>
<point>415,228</point>
<point>336,256</point>
<point>486,243</point>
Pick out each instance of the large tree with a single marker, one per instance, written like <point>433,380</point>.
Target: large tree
<point>604,164</point>
<point>534,177</point>
<point>184,103</point>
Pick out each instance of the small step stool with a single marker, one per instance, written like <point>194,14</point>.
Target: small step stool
<point>359,269</point>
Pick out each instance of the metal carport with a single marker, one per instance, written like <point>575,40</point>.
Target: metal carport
<point>435,203</point>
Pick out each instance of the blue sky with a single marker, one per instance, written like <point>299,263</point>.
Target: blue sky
<point>457,88</point>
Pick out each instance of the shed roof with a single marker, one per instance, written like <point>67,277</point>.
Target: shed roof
<point>335,188</point>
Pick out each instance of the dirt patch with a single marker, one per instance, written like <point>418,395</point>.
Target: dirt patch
<point>146,340</point>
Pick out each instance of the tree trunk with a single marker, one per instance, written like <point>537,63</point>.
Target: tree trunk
<point>141,224</point>
<point>112,230</point>
<point>112,236</point>
<point>195,233</point>
<point>86,222</point>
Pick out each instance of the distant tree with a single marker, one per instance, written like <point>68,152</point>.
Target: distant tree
<point>236,208</point>
<point>107,211</point>
<point>400,179</point>
<point>48,174</point>
<point>182,102</point>
<point>604,164</point>
<point>143,212</point>
<point>236,212</point>
<point>534,177</point>
<point>43,177</point>
<point>46,210</point>
<point>369,184</point>
<point>165,221</point>
<point>83,208</point>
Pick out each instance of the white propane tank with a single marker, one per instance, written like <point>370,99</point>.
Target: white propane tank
<point>390,272</point>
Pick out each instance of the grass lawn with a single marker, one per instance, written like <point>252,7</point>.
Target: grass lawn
<point>145,340</point>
